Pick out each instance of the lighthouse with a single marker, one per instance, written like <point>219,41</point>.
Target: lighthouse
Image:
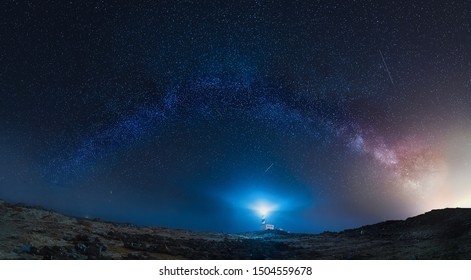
<point>264,226</point>
<point>262,209</point>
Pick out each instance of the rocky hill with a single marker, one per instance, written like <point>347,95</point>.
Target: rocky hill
<point>36,233</point>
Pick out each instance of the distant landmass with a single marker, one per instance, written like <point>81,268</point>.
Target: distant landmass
<point>35,233</point>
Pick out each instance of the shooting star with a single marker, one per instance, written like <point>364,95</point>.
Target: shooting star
<point>386,66</point>
<point>268,168</point>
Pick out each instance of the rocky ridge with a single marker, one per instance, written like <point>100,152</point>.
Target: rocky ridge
<point>37,233</point>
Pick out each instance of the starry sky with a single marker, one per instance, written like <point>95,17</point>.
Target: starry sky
<point>193,114</point>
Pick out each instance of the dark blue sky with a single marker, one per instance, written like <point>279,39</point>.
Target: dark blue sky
<point>189,114</point>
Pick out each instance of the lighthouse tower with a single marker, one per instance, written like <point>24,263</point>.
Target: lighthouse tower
<point>263,210</point>
<point>266,226</point>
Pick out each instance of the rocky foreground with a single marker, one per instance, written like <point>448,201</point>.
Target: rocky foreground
<point>36,233</point>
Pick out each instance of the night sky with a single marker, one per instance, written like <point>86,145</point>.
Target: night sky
<point>193,114</point>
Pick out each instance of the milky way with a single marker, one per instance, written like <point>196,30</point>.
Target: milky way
<point>184,114</point>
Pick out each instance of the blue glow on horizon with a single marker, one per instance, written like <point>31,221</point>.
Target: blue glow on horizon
<point>251,201</point>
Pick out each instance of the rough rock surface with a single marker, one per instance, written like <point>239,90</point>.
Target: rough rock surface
<point>36,233</point>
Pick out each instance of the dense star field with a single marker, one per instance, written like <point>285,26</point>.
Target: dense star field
<point>193,114</point>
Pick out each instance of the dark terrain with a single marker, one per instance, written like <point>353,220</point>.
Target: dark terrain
<point>36,233</point>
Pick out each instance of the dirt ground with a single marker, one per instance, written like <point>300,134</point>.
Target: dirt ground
<point>35,233</point>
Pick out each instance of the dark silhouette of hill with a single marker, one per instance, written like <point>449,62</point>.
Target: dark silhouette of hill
<point>37,233</point>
